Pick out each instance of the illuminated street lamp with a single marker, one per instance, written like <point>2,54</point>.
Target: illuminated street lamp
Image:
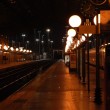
<point>42,42</point>
<point>90,29</point>
<point>17,49</point>
<point>27,51</point>
<point>37,40</point>
<point>51,43</point>
<point>30,51</point>
<point>23,36</point>
<point>37,45</point>
<point>39,33</point>
<point>95,19</point>
<point>27,44</point>
<point>71,32</point>
<point>89,35</point>
<point>20,49</point>
<point>82,38</point>
<point>69,39</point>
<point>48,32</point>
<point>97,89</point>
<point>5,47</point>
<point>11,48</point>
<point>0,46</point>
<point>75,21</point>
<point>24,50</point>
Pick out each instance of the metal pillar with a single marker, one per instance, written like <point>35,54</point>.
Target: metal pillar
<point>39,32</point>
<point>107,78</point>
<point>83,65</point>
<point>88,69</point>
<point>79,63</point>
<point>97,89</point>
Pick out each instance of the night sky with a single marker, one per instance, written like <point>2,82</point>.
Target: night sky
<point>23,16</point>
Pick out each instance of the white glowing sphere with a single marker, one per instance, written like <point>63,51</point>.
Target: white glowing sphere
<point>5,47</point>
<point>90,34</point>
<point>95,20</point>
<point>75,21</point>
<point>71,32</point>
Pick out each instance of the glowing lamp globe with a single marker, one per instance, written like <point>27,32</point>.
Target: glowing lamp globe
<point>95,20</point>
<point>71,32</point>
<point>83,38</point>
<point>75,21</point>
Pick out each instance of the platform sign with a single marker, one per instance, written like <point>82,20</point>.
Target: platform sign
<point>107,78</point>
<point>87,29</point>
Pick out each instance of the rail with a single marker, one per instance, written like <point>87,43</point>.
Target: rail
<point>14,79</point>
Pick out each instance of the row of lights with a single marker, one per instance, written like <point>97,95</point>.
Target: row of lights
<point>20,49</point>
<point>72,43</point>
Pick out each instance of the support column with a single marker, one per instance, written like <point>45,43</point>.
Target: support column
<point>88,69</point>
<point>83,66</point>
<point>97,89</point>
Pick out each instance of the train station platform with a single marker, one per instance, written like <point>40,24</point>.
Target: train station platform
<point>54,89</point>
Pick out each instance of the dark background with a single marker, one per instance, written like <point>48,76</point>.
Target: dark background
<point>23,16</point>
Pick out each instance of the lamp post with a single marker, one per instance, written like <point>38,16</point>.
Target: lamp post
<point>37,42</point>
<point>5,48</point>
<point>23,36</point>
<point>48,31</point>
<point>42,42</point>
<point>48,40</point>
<point>88,28</point>
<point>27,44</point>
<point>82,40</point>
<point>87,34</point>
<point>97,89</point>
<point>27,48</point>
<point>39,34</point>
<point>36,45</point>
<point>71,34</point>
<point>75,21</point>
<point>51,43</point>
<point>88,68</point>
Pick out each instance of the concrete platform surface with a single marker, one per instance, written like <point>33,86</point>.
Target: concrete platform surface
<point>54,89</point>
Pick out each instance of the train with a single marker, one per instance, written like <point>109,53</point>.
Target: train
<point>92,56</point>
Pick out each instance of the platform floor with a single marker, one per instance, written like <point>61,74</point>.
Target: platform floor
<point>54,89</point>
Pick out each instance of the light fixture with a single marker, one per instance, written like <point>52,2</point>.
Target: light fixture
<point>95,20</point>
<point>75,21</point>
<point>5,47</point>
<point>72,32</point>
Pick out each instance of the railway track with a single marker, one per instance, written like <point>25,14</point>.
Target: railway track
<point>16,77</point>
